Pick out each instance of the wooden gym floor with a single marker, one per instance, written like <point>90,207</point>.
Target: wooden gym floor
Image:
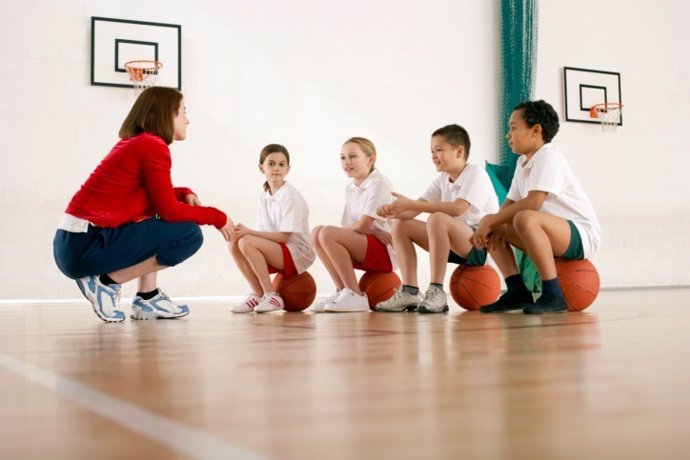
<point>611,382</point>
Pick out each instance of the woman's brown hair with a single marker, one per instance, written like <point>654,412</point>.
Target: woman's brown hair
<point>153,112</point>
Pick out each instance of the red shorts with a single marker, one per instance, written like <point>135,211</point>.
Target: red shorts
<point>288,264</point>
<point>376,258</point>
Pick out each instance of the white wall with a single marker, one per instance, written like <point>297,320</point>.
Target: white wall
<point>302,73</point>
<point>308,75</point>
<point>637,177</point>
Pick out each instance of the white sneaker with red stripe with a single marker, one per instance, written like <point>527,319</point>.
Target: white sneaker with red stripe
<point>247,305</point>
<point>269,302</point>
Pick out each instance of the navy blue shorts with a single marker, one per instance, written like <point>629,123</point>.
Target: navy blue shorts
<point>104,250</point>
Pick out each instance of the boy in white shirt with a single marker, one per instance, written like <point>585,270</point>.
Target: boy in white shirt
<point>457,199</point>
<point>546,214</point>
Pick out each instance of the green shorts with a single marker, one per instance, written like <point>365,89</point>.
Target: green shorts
<point>476,257</point>
<point>574,251</point>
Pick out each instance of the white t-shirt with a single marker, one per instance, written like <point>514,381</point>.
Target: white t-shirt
<point>548,171</point>
<point>472,185</point>
<point>365,199</point>
<point>287,211</point>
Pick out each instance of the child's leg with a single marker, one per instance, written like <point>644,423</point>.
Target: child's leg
<point>259,253</point>
<point>341,246</point>
<point>406,233</point>
<point>543,237</point>
<point>445,232</point>
<point>325,259</point>
<point>501,249</point>
<point>246,269</point>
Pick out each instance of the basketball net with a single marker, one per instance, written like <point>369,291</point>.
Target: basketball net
<point>142,74</point>
<point>608,113</point>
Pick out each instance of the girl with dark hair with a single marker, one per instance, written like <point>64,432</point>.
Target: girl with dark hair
<point>280,243</point>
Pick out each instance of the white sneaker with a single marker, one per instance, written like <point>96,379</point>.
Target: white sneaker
<point>348,301</point>
<point>269,302</point>
<point>318,307</point>
<point>159,306</point>
<point>435,301</point>
<point>247,305</point>
<point>401,301</point>
<point>105,299</point>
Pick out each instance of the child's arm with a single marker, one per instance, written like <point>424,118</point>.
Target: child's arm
<point>241,230</point>
<point>363,225</point>
<point>403,207</point>
<point>533,201</point>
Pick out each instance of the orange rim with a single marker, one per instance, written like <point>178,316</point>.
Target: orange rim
<point>603,107</point>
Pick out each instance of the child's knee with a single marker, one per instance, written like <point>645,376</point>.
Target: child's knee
<point>326,234</point>
<point>399,227</point>
<point>245,244</point>
<point>315,234</point>
<point>523,220</point>
<point>437,220</point>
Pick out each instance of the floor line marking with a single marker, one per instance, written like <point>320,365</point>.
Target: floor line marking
<point>170,433</point>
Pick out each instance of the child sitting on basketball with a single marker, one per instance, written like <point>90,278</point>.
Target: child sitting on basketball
<point>456,200</point>
<point>363,240</point>
<point>280,242</point>
<point>546,214</point>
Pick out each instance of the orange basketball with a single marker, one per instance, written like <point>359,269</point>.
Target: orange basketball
<point>472,287</point>
<point>379,286</point>
<point>579,281</point>
<point>297,291</point>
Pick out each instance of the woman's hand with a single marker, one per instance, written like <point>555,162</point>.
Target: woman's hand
<point>226,230</point>
<point>192,200</point>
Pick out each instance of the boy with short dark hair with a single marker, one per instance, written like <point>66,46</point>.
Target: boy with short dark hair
<point>459,197</point>
<point>546,214</point>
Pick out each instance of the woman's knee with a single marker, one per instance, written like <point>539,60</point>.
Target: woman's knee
<point>186,244</point>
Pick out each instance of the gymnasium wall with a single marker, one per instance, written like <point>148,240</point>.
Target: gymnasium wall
<point>309,75</point>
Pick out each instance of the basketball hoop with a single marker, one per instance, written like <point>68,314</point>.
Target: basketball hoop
<point>608,113</point>
<point>142,74</point>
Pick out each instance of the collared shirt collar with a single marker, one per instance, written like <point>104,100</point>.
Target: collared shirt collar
<point>365,184</point>
<point>278,194</point>
<point>528,163</point>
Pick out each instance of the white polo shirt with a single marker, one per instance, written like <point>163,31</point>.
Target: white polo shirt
<point>472,185</point>
<point>287,211</point>
<point>365,199</point>
<point>548,171</point>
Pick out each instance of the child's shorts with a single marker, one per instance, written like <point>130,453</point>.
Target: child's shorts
<point>476,257</point>
<point>376,258</point>
<point>289,268</point>
<point>574,251</point>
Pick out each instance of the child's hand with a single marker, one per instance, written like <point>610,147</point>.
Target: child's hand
<point>383,237</point>
<point>384,211</point>
<point>192,200</point>
<point>480,237</point>
<point>239,230</point>
<point>400,205</point>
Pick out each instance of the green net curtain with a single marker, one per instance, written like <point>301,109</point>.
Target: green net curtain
<point>518,66</point>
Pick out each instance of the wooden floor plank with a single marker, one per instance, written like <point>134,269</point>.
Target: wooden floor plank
<point>610,382</point>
